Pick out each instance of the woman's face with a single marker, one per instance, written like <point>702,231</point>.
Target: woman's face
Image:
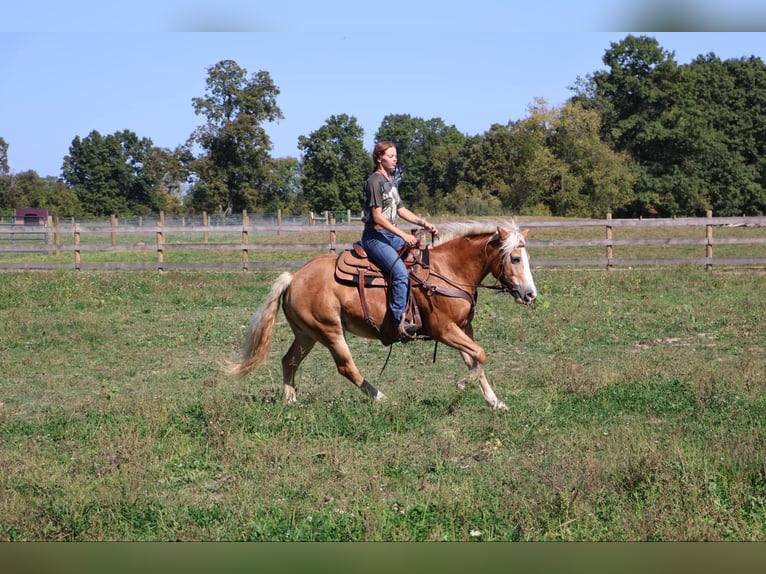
<point>388,159</point>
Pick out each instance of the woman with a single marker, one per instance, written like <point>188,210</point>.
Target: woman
<point>381,237</point>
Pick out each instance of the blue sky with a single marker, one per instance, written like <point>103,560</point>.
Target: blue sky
<point>58,85</point>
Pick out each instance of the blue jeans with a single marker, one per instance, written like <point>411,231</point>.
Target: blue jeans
<point>381,248</point>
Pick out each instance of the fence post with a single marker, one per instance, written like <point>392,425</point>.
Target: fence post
<point>113,220</point>
<point>331,222</point>
<point>205,234</point>
<point>245,223</point>
<point>56,235</point>
<point>76,246</point>
<point>709,237</point>
<point>279,222</point>
<point>609,253</point>
<point>160,242</point>
<point>49,234</point>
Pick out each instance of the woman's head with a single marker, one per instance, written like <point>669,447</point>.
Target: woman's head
<point>384,155</point>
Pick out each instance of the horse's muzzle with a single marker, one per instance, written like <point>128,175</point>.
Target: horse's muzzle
<point>524,297</point>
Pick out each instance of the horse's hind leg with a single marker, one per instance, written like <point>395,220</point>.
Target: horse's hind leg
<point>341,354</point>
<point>301,347</point>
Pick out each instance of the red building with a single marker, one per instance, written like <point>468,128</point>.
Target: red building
<point>31,217</point>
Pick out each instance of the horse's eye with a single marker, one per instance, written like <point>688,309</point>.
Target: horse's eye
<point>515,260</point>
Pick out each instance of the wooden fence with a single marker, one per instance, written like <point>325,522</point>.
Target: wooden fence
<point>73,251</point>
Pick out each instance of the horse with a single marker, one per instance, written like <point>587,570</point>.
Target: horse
<point>320,309</point>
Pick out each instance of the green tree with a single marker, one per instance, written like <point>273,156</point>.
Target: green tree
<point>725,151</point>
<point>637,98</point>
<point>427,150</point>
<point>165,175</point>
<point>335,165</point>
<point>5,175</point>
<point>283,189</point>
<point>5,170</point>
<point>513,163</point>
<point>633,93</point>
<point>107,173</point>
<point>24,188</point>
<point>483,166</point>
<point>697,131</point>
<point>594,180</point>
<point>235,162</point>
<point>57,198</point>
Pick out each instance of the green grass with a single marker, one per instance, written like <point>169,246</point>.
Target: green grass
<point>637,408</point>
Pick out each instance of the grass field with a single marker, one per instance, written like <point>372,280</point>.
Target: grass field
<point>637,410</point>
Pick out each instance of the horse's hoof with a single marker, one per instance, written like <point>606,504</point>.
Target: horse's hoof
<point>500,406</point>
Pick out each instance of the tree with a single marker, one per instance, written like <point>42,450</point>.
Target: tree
<point>5,170</point>
<point>426,150</point>
<point>283,189</point>
<point>637,97</point>
<point>107,173</point>
<point>24,188</point>
<point>165,175</point>
<point>594,180</point>
<point>633,93</point>
<point>697,131</point>
<point>5,174</point>
<point>235,163</point>
<point>335,165</point>
<point>513,163</point>
<point>725,151</point>
<point>57,198</point>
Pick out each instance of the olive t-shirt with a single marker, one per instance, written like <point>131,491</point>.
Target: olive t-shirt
<point>379,192</point>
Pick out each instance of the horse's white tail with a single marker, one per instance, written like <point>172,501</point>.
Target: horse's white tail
<point>258,338</point>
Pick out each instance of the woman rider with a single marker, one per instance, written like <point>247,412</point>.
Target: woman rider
<point>381,237</point>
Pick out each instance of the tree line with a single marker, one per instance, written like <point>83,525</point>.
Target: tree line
<point>645,136</point>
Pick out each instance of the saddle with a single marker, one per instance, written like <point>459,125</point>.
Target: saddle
<point>354,268</point>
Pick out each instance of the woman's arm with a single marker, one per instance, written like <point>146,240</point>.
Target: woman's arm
<point>407,215</point>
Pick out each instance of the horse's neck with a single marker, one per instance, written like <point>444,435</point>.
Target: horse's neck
<point>464,260</point>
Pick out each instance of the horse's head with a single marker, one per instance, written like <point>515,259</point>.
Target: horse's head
<point>512,268</point>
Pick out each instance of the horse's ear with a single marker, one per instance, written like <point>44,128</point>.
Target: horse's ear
<point>524,232</point>
<point>502,233</point>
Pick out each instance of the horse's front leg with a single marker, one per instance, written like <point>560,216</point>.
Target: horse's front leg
<point>473,356</point>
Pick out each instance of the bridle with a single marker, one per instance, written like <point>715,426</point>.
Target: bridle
<point>501,285</point>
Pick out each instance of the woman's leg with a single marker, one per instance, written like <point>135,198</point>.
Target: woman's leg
<point>380,248</point>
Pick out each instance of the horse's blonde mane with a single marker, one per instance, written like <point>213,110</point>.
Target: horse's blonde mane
<point>453,229</point>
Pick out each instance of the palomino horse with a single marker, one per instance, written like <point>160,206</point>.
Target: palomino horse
<point>318,308</point>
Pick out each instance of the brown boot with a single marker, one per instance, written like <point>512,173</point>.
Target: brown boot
<point>407,330</point>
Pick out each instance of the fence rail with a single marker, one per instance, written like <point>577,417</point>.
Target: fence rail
<point>49,241</point>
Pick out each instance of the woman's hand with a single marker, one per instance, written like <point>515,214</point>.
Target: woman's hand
<point>430,227</point>
<point>410,240</point>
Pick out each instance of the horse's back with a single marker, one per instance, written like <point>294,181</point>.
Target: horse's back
<point>315,297</point>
